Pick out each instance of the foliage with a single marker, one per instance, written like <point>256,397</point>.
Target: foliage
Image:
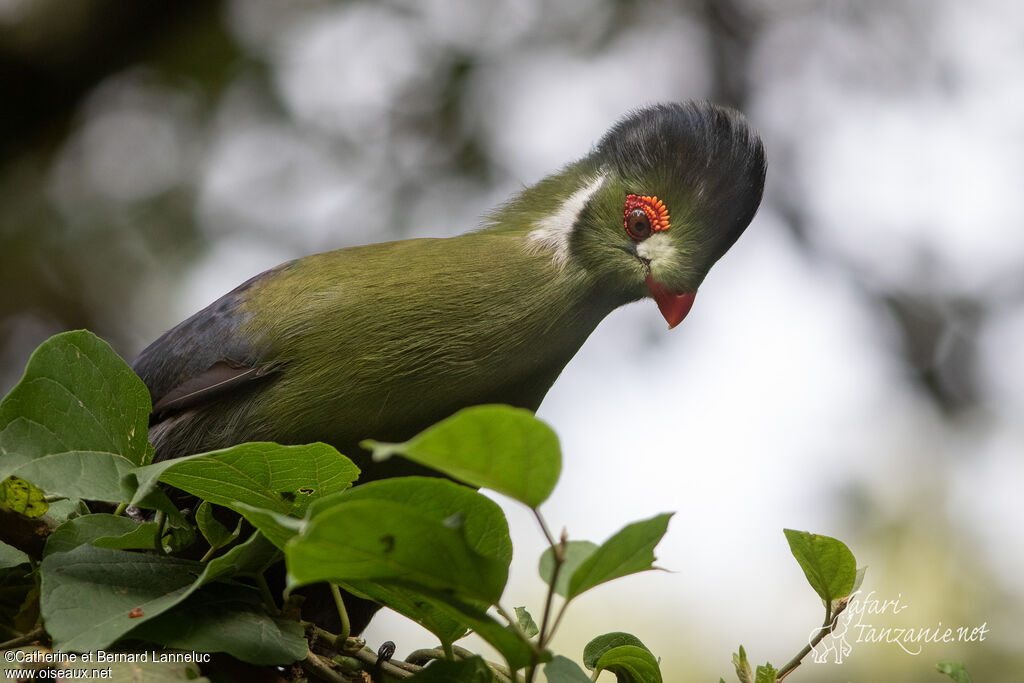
<point>434,550</point>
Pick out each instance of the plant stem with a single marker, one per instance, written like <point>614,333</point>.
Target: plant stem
<point>268,597</point>
<point>829,625</point>
<point>208,554</point>
<point>544,528</point>
<point>29,637</point>
<point>119,510</point>
<point>346,628</point>
<point>462,653</point>
<point>558,553</point>
<point>319,667</point>
<point>448,652</point>
<point>396,669</point>
<point>161,521</point>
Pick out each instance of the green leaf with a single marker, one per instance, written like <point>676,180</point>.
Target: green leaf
<point>253,556</point>
<point>954,670</point>
<point>76,474</point>
<point>498,447</point>
<point>828,564</point>
<point>575,553</point>
<point>386,541</point>
<point>448,617</point>
<point>142,537</point>
<point>66,508</point>
<point>472,670</point>
<point>447,505</point>
<point>87,529</point>
<point>526,622</point>
<point>413,605</point>
<point>563,670</point>
<point>11,556</point>
<point>743,670</point>
<point>629,551</point>
<point>92,596</point>
<point>482,521</point>
<point>630,664</point>
<point>279,478</point>
<point>765,674</point>
<point>277,527</point>
<point>77,407</point>
<point>215,533</point>
<point>516,651</point>
<point>179,533</point>
<point>227,618</point>
<point>601,644</point>
<point>23,497</point>
<point>859,579</point>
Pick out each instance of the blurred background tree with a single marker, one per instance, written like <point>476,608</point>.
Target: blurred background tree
<point>854,368</point>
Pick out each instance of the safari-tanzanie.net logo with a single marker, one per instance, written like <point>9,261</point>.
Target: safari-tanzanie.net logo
<point>875,621</point>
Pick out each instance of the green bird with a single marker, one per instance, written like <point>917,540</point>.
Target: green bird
<point>384,340</point>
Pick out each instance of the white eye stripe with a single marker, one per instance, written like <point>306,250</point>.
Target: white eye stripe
<point>553,231</point>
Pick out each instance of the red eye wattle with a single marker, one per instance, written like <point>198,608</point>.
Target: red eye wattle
<point>644,216</point>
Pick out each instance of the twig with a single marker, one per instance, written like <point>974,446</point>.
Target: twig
<point>544,527</point>
<point>829,625</point>
<point>558,555</point>
<point>421,657</point>
<point>369,657</point>
<point>317,665</point>
<point>29,637</point>
<point>462,653</point>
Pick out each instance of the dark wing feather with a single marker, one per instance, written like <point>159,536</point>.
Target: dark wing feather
<point>204,358</point>
<point>221,378</point>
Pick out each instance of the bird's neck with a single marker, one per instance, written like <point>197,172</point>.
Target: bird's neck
<point>536,205</point>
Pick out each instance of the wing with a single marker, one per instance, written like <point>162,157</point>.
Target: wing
<point>205,358</point>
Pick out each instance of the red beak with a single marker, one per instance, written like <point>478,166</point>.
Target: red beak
<point>673,306</point>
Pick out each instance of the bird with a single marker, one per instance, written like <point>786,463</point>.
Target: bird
<point>381,341</point>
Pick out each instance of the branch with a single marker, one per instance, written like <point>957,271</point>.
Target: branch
<point>25,534</point>
<point>29,637</point>
<point>829,625</point>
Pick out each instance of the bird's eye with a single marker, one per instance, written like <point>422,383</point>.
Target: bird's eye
<point>638,225</point>
<point>644,216</point>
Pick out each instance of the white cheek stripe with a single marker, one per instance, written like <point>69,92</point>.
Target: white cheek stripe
<point>659,250</point>
<point>553,232</point>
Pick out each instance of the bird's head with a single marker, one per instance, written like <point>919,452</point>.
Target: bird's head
<point>661,197</point>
